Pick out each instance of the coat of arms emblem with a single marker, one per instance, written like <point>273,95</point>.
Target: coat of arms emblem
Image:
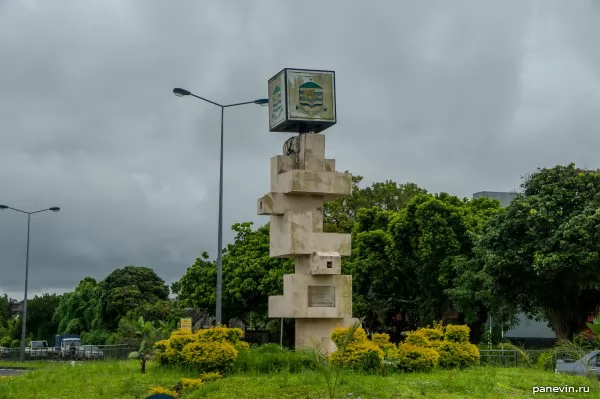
<point>310,98</point>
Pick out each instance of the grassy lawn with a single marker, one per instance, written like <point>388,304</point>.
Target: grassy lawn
<point>114,379</point>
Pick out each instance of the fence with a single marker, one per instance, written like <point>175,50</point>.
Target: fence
<point>489,358</point>
<point>512,358</point>
<point>84,352</point>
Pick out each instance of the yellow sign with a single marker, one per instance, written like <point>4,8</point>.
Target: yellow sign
<point>186,325</point>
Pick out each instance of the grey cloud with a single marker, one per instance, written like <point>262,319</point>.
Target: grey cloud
<point>456,96</point>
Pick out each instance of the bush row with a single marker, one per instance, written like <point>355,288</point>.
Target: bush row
<point>422,350</point>
<point>221,349</point>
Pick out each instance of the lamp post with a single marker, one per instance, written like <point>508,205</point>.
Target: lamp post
<point>263,102</point>
<point>24,322</point>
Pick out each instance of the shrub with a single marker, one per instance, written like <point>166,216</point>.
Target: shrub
<point>416,338</point>
<point>360,356</point>
<point>433,335</point>
<point>220,333</point>
<point>339,335</point>
<point>416,358</point>
<point>220,346</point>
<point>458,354</point>
<point>457,333</point>
<point>163,390</point>
<point>545,360</point>
<point>210,356</point>
<point>189,384</point>
<point>389,349</point>
<point>212,376</point>
<point>179,339</point>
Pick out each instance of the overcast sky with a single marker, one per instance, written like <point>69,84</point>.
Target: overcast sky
<point>456,96</point>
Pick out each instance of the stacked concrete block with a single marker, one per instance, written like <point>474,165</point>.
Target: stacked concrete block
<point>316,295</point>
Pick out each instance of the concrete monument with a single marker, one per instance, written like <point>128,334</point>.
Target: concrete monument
<point>318,296</point>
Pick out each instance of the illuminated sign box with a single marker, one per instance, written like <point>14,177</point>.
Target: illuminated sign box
<point>302,100</point>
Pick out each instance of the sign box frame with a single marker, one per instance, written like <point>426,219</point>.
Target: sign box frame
<point>300,108</point>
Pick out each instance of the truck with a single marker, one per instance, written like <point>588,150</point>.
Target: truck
<point>38,350</point>
<point>62,345</point>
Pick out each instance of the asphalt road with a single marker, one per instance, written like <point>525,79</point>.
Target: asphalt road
<point>11,372</point>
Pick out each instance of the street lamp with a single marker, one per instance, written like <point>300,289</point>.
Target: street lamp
<point>24,323</point>
<point>262,102</point>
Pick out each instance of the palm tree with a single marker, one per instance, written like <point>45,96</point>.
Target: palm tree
<point>148,334</point>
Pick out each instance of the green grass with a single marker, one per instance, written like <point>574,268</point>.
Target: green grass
<point>113,379</point>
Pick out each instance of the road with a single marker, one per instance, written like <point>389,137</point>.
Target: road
<point>11,372</point>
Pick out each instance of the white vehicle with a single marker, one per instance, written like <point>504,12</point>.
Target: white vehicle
<point>90,352</point>
<point>38,349</point>
<point>69,348</point>
<point>4,352</point>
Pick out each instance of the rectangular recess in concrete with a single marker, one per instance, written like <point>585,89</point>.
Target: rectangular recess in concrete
<point>321,296</point>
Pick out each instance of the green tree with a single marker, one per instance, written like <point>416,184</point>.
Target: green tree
<point>432,240</point>
<point>40,312</point>
<point>405,263</point>
<point>197,287</point>
<point>542,254</point>
<point>165,310</point>
<point>6,306</point>
<point>78,311</point>
<point>249,277</point>
<point>339,215</point>
<point>10,327</point>
<point>381,294</point>
<point>127,289</point>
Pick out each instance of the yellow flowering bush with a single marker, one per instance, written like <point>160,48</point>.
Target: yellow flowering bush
<point>212,349</point>
<point>339,335</point>
<point>179,339</point>
<point>189,384</point>
<point>210,356</point>
<point>416,358</point>
<point>360,354</point>
<point>389,349</point>
<point>220,333</point>
<point>163,390</point>
<point>211,376</point>
<point>457,333</point>
<point>416,338</point>
<point>450,343</point>
<point>458,354</point>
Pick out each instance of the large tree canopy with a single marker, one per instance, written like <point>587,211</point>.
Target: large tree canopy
<point>339,215</point>
<point>542,254</point>
<point>39,324</point>
<point>77,311</point>
<point>127,289</point>
<point>405,263</point>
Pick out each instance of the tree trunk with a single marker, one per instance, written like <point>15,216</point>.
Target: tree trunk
<point>567,324</point>
<point>477,325</point>
<point>143,364</point>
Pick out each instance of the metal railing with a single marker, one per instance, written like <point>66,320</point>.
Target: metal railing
<point>513,358</point>
<point>84,352</point>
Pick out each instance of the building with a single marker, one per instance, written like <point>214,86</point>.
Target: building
<point>528,331</point>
